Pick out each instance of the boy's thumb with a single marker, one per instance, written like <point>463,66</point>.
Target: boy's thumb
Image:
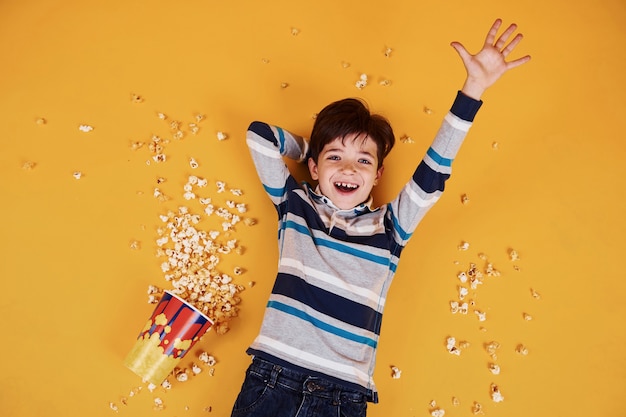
<point>460,49</point>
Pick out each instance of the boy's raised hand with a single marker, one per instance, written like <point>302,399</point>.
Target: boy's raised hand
<point>489,64</point>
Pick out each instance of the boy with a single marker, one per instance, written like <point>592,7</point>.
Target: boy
<point>315,353</point>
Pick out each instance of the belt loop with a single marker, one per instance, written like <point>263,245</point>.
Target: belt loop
<point>274,375</point>
<point>337,397</point>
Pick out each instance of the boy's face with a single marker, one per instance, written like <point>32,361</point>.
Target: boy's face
<point>347,170</point>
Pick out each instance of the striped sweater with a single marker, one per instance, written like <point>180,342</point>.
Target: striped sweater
<point>335,266</point>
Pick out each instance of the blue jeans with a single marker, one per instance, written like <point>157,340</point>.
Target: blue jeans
<point>270,390</point>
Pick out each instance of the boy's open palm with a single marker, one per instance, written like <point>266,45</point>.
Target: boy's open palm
<point>489,64</point>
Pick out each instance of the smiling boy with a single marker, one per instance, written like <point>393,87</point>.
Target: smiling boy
<point>315,352</point>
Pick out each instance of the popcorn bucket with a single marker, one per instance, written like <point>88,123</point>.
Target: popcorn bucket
<point>174,327</point>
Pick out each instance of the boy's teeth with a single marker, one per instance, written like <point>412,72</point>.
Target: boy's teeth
<point>345,185</point>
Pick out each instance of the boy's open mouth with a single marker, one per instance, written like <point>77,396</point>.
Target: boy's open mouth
<point>345,187</point>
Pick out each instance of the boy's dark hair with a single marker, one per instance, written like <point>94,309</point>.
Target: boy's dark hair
<point>346,117</point>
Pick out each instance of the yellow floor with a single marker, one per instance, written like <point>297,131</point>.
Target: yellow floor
<point>78,254</point>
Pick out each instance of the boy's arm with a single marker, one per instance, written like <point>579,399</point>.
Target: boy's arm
<point>268,145</point>
<point>427,183</point>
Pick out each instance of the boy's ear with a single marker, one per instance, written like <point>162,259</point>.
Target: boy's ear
<point>313,169</point>
<point>379,174</point>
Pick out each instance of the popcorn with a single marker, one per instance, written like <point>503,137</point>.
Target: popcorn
<point>135,245</point>
<point>437,412</point>
<point>428,110</point>
<point>463,246</point>
<point>195,369</point>
<point>85,128</point>
<point>527,316</point>
<point>385,82</point>
<point>462,292</point>
<point>395,372</point>
<point>451,346</point>
<point>207,359</point>
<point>535,294</point>
<point>158,404</point>
<point>345,64</point>
<point>482,316</point>
<point>166,384</point>
<point>491,271</point>
<point>295,31</point>
<point>41,121</point>
<point>495,146</point>
<point>521,349</point>
<point>136,98</point>
<point>113,407</point>
<point>406,139</point>
<point>455,401</point>
<point>492,348</point>
<point>465,199</point>
<point>495,369</point>
<point>513,255</point>
<point>388,51</point>
<point>77,174</point>
<point>159,158</point>
<point>362,82</point>
<point>496,395</point>
<point>193,163</point>
<point>181,375</point>
<point>222,136</point>
<point>462,276</point>
<point>477,408</point>
<point>28,165</point>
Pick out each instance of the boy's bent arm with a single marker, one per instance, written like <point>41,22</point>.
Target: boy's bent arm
<point>268,145</point>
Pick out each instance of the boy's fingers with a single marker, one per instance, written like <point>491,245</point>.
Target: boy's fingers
<point>517,39</point>
<point>460,49</point>
<point>505,36</point>
<point>518,62</point>
<point>491,35</point>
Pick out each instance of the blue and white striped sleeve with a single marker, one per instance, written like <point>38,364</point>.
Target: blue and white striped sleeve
<point>428,181</point>
<point>268,145</point>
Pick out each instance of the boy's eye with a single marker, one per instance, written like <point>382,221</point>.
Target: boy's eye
<point>365,161</point>
<point>333,157</point>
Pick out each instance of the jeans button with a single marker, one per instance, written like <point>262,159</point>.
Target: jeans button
<point>312,386</point>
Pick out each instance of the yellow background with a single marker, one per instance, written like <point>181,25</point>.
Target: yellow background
<point>73,295</point>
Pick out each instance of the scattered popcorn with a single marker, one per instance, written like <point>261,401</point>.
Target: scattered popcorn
<point>462,276</point>
<point>238,270</point>
<point>494,146</point>
<point>527,316</point>
<point>395,372</point>
<point>208,409</point>
<point>406,139</point>
<point>295,31</point>
<point>136,98</point>
<point>456,307</point>
<point>85,128</point>
<point>221,186</point>
<point>77,174</point>
<point>385,82</point>
<point>221,136</point>
<point>193,128</point>
<point>513,255</point>
<point>495,369</point>
<point>521,349</point>
<point>195,369</point>
<point>41,121</point>
<point>28,165</point>
<point>535,294</point>
<point>451,346</point>
<point>124,400</point>
<point>151,387</point>
<point>428,110</point>
<point>477,408</point>
<point>492,348</point>
<point>455,401</point>
<point>113,407</point>
<point>345,64</point>
<point>135,244</point>
<point>249,222</point>
<point>181,375</point>
<point>496,395</point>
<point>166,384</point>
<point>207,359</point>
<point>158,404</point>
<point>284,85</point>
<point>162,116</point>
<point>251,284</point>
<point>388,52</point>
<point>462,293</point>
<point>465,199</point>
<point>491,271</point>
<point>265,60</point>
<point>437,412</point>
<point>463,246</point>
<point>464,344</point>
<point>482,256</point>
<point>362,82</point>
<point>193,163</point>
<point>199,117</point>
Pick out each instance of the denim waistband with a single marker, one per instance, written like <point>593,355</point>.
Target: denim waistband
<point>301,382</point>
